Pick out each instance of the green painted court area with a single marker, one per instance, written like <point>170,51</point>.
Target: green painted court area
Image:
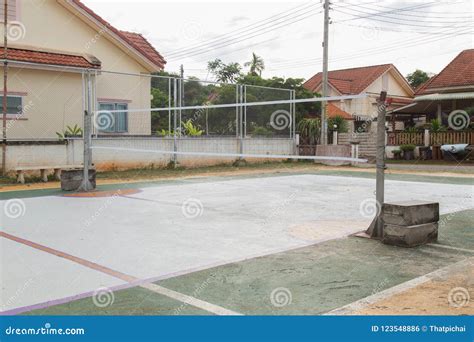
<point>304,281</point>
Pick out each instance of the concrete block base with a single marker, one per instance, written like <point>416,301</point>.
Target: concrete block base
<point>410,213</point>
<point>410,236</point>
<point>71,180</point>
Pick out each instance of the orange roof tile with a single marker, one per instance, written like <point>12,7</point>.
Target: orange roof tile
<point>458,73</point>
<point>333,111</point>
<point>349,81</point>
<point>51,58</point>
<point>137,41</point>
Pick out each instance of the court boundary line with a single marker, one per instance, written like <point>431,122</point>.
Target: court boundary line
<point>351,308</point>
<point>200,304</point>
<point>140,282</point>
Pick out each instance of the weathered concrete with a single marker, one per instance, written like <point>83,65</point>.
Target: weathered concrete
<point>410,223</point>
<point>410,236</point>
<point>71,180</point>
<point>48,153</point>
<point>410,213</point>
<point>177,226</point>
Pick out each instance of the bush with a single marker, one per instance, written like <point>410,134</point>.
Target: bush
<point>407,147</point>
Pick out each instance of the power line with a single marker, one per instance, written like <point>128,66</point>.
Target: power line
<point>415,15</point>
<point>246,28</point>
<point>246,37</point>
<point>385,48</point>
<point>396,18</point>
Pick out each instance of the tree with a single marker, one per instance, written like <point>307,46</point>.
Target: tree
<point>227,73</point>
<point>256,65</point>
<point>417,78</point>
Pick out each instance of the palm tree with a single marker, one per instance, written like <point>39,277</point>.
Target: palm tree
<point>256,65</point>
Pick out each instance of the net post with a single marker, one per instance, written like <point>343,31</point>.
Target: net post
<point>86,184</point>
<point>169,105</point>
<point>376,228</point>
<point>175,113</point>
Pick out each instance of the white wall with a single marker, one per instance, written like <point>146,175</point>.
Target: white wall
<point>72,153</point>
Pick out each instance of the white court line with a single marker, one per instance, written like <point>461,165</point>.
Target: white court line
<point>349,309</point>
<point>437,245</point>
<point>215,309</point>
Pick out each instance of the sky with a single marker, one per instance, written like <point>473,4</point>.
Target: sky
<point>288,35</point>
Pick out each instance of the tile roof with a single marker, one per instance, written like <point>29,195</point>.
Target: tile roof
<point>350,81</point>
<point>333,111</point>
<point>137,41</point>
<point>458,73</point>
<point>52,58</point>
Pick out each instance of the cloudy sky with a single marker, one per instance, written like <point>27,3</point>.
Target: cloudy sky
<point>288,34</point>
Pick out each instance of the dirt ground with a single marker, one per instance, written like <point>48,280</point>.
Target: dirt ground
<point>452,295</point>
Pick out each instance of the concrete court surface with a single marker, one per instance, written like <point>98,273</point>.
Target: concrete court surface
<point>172,229</point>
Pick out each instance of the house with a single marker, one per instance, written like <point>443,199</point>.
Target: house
<point>370,80</point>
<point>48,58</point>
<point>450,90</point>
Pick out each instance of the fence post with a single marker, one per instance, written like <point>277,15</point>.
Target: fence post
<point>427,138</point>
<point>334,137</point>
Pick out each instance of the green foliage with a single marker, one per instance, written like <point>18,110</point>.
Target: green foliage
<point>227,73</point>
<point>340,122</point>
<point>310,129</point>
<point>164,133</point>
<point>407,147</point>
<point>412,129</point>
<point>417,78</point>
<point>296,84</point>
<point>190,129</point>
<point>436,126</point>
<point>70,132</point>
<point>261,131</point>
<point>256,64</point>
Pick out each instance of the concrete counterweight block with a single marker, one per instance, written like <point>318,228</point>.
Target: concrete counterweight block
<point>71,180</point>
<point>410,223</point>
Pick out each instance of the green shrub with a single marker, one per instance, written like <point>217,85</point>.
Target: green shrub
<point>407,147</point>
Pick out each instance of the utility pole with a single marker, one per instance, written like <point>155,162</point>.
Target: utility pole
<point>324,135</point>
<point>5,92</point>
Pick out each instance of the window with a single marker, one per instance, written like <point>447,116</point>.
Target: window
<point>116,122</point>
<point>14,105</point>
<point>12,10</point>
